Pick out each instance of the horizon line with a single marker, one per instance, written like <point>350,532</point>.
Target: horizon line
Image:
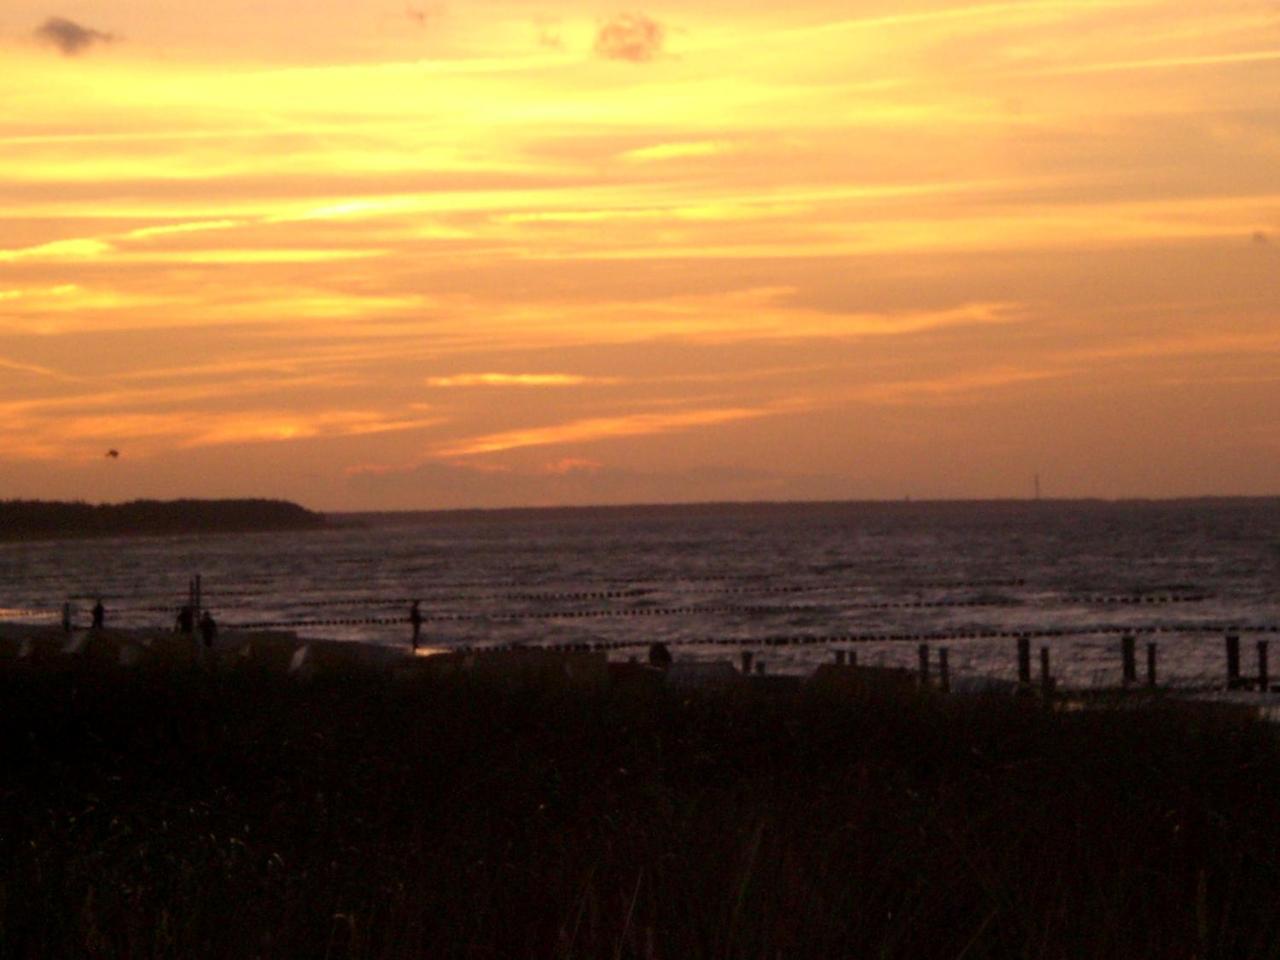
<point>927,501</point>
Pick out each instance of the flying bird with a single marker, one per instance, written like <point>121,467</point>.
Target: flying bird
<point>113,454</point>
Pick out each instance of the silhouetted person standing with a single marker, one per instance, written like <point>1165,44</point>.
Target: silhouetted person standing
<point>99,615</point>
<point>208,629</point>
<point>186,620</point>
<point>415,618</point>
<point>659,656</point>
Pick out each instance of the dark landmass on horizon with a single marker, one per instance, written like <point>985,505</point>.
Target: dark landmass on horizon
<point>47,519</point>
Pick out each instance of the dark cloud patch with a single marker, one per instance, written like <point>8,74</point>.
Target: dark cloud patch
<point>630,36</point>
<point>71,38</point>
<point>422,15</point>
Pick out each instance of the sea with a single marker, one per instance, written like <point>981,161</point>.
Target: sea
<point>795,584</point>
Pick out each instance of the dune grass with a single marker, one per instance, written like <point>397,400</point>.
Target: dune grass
<point>179,814</point>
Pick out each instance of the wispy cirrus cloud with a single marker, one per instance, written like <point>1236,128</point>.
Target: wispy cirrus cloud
<point>70,38</point>
<point>678,151</point>
<point>1243,57</point>
<point>35,369</point>
<point>605,428</point>
<point>516,380</point>
<point>944,390</point>
<point>79,434</point>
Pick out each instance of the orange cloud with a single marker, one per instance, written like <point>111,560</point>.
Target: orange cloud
<point>630,36</point>
<point>1243,57</point>
<point>77,436</point>
<point>257,427</point>
<point>602,428</point>
<point>33,368</point>
<point>678,151</point>
<point>942,389</point>
<point>515,380</point>
<point>567,465</point>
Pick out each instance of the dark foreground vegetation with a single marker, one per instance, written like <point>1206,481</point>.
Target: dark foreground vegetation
<point>241,815</point>
<point>38,519</point>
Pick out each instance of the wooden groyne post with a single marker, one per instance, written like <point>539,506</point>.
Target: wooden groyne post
<point>839,658</point>
<point>1233,660</point>
<point>1151,664</point>
<point>944,671</point>
<point>923,653</point>
<point>1046,675</point>
<point>1024,660</point>
<point>746,662</point>
<point>1264,680</point>
<point>1129,659</point>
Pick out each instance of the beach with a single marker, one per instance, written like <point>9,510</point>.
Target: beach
<point>172,809</point>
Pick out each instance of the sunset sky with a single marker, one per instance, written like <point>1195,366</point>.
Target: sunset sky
<point>376,255</point>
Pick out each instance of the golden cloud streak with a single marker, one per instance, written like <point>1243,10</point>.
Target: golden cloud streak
<point>33,368</point>
<point>736,316</point>
<point>604,428</point>
<point>942,389</point>
<point>516,380</point>
<point>267,427</point>
<point>1163,63</point>
<point>678,151</point>
<point>149,433</point>
<point>184,394</point>
<point>997,13</point>
<point>76,249</point>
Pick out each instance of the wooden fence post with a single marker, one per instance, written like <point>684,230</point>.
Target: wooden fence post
<point>1046,676</point>
<point>923,652</point>
<point>944,671</point>
<point>1129,660</point>
<point>746,662</point>
<point>1024,660</point>
<point>1233,661</point>
<point>1264,681</point>
<point>1151,664</point>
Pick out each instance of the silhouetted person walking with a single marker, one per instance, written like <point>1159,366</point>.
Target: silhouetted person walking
<point>208,629</point>
<point>99,615</point>
<point>415,618</point>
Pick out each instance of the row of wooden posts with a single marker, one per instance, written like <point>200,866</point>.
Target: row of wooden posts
<point>1128,665</point>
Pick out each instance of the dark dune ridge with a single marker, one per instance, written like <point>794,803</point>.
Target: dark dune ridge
<point>237,813</point>
<point>41,519</point>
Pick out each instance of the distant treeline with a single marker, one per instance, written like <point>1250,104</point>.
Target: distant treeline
<point>30,519</point>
